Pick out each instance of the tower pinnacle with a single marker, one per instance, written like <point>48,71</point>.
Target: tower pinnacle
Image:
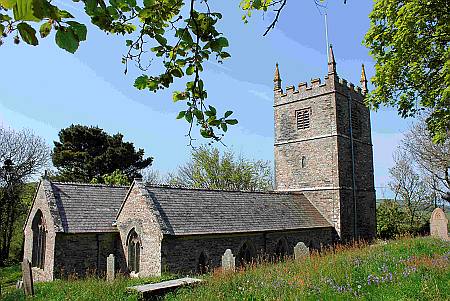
<point>331,61</point>
<point>277,79</point>
<point>363,81</point>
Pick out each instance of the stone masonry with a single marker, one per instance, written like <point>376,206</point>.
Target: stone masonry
<point>318,160</point>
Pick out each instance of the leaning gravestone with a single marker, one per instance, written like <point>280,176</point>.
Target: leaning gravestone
<point>301,251</point>
<point>228,261</point>
<point>110,268</point>
<point>438,224</point>
<point>27,276</point>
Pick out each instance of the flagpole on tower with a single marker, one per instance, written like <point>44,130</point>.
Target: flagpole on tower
<point>326,37</point>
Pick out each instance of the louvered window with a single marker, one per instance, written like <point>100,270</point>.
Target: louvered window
<point>303,121</point>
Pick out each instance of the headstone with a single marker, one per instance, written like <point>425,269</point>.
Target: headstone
<point>301,251</point>
<point>438,224</point>
<point>110,268</point>
<point>228,261</point>
<point>27,277</point>
<point>19,284</point>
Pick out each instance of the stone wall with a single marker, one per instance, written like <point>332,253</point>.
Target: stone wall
<point>41,203</point>
<point>78,255</point>
<point>137,214</point>
<point>180,254</point>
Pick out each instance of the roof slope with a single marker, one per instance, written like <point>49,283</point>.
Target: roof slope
<point>88,207</point>
<point>193,211</point>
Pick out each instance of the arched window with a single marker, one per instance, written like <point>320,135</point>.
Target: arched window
<point>245,254</point>
<point>134,251</point>
<point>203,263</point>
<point>38,252</point>
<point>303,161</point>
<point>281,249</point>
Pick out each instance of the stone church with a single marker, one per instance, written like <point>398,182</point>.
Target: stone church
<point>324,194</point>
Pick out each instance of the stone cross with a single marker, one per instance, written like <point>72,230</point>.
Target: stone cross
<point>27,276</point>
<point>301,251</point>
<point>228,261</point>
<point>110,268</point>
<point>438,224</point>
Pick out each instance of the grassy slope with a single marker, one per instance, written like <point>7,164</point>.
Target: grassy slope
<point>407,269</point>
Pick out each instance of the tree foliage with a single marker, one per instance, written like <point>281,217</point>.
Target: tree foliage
<point>179,35</point>
<point>212,170</point>
<point>390,220</point>
<point>409,41</point>
<point>411,191</point>
<point>433,160</point>
<point>22,156</point>
<point>115,178</point>
<point>85,153</point>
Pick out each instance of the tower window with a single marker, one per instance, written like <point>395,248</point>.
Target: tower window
<point>302,117</point>
<point>303,162</point>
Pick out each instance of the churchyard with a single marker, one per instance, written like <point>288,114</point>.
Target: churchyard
<point>407,269</point>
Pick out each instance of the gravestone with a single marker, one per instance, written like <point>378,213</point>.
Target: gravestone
<point>438,224</point>
<point>27,277</point>
<point>301,251</point>
<point>110,268</point>
<point>228,261</point>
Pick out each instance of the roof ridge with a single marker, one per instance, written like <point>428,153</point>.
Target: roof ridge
<point>89,184</point>
<point>181,187</point>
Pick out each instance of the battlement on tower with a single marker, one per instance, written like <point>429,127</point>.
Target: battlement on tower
<point>317,87</point>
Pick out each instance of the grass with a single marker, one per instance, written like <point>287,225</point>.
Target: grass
<point>405,269</point>
<point>9,276</point>
<point>92,289</point>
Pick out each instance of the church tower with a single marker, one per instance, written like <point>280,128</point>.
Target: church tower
<point>323,148</point>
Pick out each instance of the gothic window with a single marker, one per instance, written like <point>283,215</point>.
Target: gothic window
<point>134,251</point>
<point>245,254</point>
<point>281,249</point>
<point>303,161</point>
<point>203,263</point>
<point>38,252</point>
<point>302,117</point>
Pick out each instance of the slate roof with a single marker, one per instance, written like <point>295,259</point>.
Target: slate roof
<point>183,211</point>
<point>87,207</point>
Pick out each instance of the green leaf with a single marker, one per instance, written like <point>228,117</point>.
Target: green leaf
<point>222,41</point>
<point>148,3</point>
<point>188,116</point>
<point>2,29</point>
<point>181,114</point>
<point>224,55</point>
<point>80,30</point>
<point>141,82</point>
<point>8,4</point>
<point>231,121</point>
<point>4,17</point>
<point>177,95</point>
<point>213,110</point>
<point>228,113</point>
<point>177,72</point>
<point>27,10</point>
<point>27,33</point>
<point>161,40</point>
<point>224,127</point>
<point>45,29</point>
<point>190,70</point>
<point>64,14</point>
<point>66,39</point>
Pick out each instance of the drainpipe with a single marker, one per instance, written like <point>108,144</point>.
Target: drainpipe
<point>352,151</point>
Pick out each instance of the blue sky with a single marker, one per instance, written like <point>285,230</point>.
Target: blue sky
<point>45,88</point>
